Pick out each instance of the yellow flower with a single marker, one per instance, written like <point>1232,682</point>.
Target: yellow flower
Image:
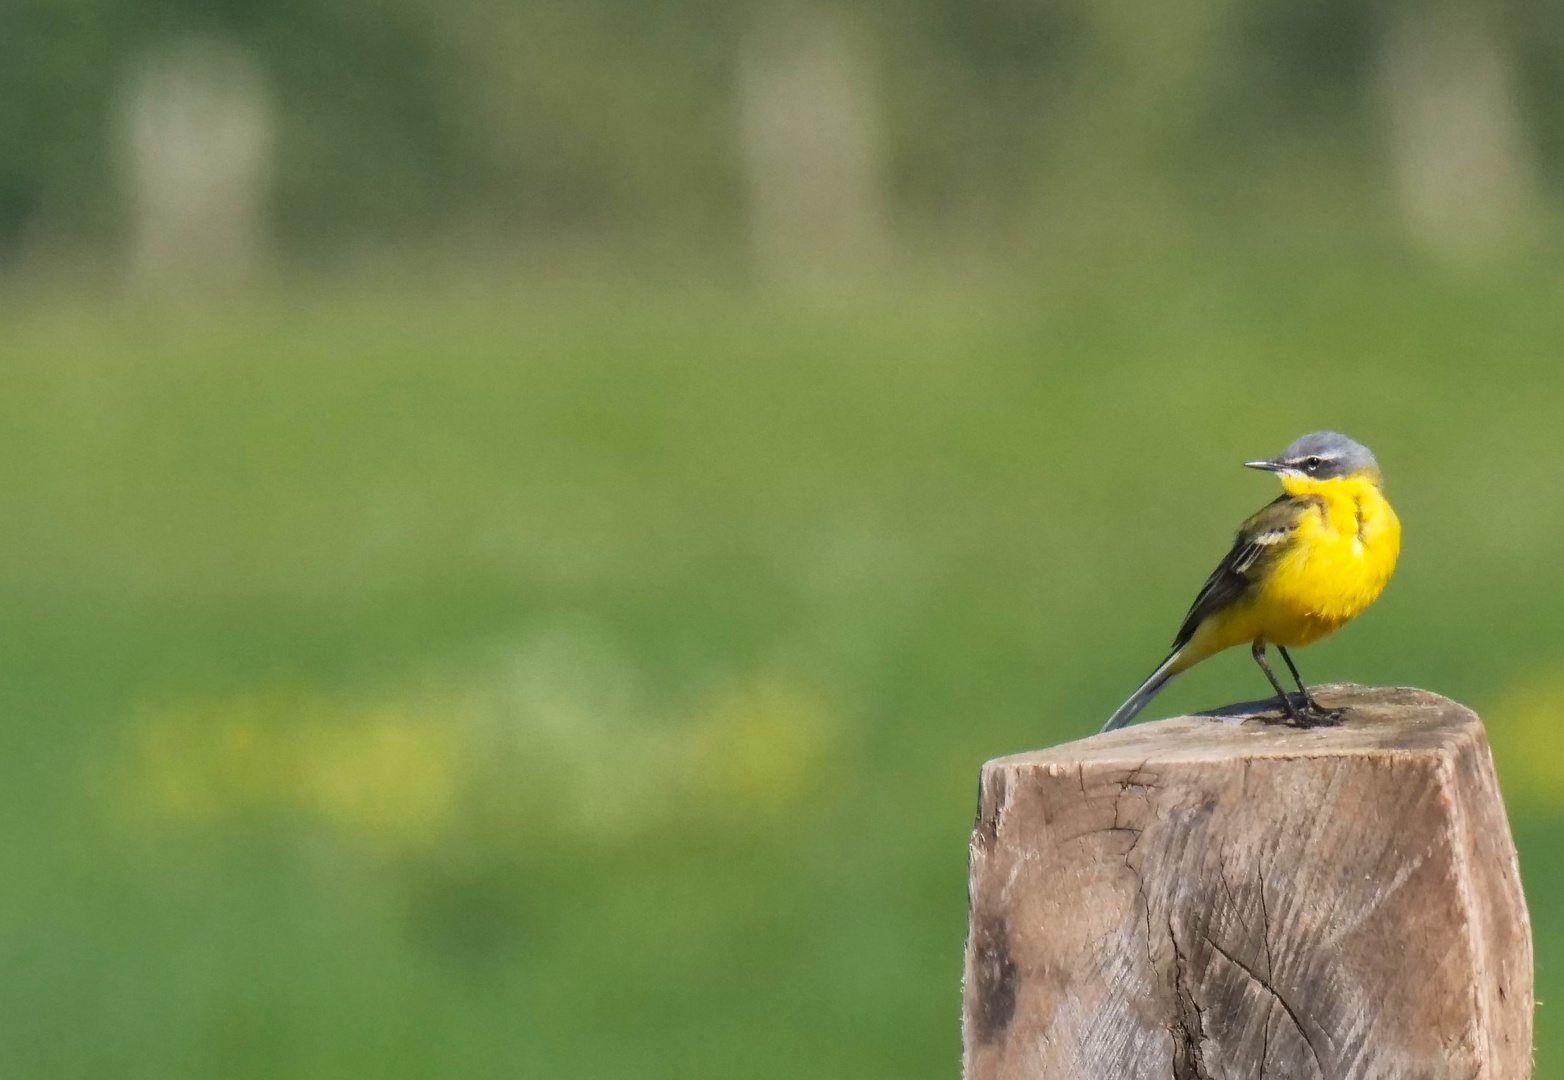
<point>1523,726</point>
<point>387,773</point>
<point>759,745</point>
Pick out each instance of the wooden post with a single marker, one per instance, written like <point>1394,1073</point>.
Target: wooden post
<point>1221,897</point>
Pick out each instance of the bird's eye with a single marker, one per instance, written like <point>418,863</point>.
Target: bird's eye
<point>1312,464</point>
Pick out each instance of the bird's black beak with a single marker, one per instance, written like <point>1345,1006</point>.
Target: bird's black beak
<point>1268,464</point>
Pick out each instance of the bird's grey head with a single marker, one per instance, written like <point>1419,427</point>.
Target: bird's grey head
<point>1321,455</point>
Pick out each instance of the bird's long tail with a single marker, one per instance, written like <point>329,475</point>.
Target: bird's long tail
<point>1145,692</point>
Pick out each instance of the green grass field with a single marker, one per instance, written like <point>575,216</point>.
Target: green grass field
<point>417,680</point>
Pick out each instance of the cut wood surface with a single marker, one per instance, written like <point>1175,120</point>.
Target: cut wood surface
<point>1222,897</point>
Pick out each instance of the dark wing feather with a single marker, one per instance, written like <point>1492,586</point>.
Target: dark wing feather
<point>1258,541</point>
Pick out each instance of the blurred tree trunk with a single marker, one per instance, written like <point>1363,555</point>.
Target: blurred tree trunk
<point>1129,132</point>
<point>809,129</point>
<point>1460,155</point>
<point>197,139</point>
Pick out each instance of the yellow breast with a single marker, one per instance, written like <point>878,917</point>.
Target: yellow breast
<point>1344,552</point>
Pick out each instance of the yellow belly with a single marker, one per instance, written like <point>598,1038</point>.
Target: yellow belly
<point>1320,585</point>
<point>1337,565</point>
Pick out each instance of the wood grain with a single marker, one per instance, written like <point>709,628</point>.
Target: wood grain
<point>1220,897</point>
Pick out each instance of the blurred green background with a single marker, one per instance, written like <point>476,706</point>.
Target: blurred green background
<point>521,522</point>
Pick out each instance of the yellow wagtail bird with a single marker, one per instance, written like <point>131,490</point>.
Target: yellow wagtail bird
<point>1299,570</point>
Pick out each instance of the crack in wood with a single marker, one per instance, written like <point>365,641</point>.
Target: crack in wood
<point>1265,984</point>
<point>1188,1027</point>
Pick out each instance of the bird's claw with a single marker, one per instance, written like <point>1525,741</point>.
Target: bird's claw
<point>1313,715</point>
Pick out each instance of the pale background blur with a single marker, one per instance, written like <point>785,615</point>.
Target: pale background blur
<point>520,522</point>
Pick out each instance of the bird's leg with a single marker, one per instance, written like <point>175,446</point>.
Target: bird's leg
<point>1322,716</point>
<point>1292,667</point>
<point>1258,649</point>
